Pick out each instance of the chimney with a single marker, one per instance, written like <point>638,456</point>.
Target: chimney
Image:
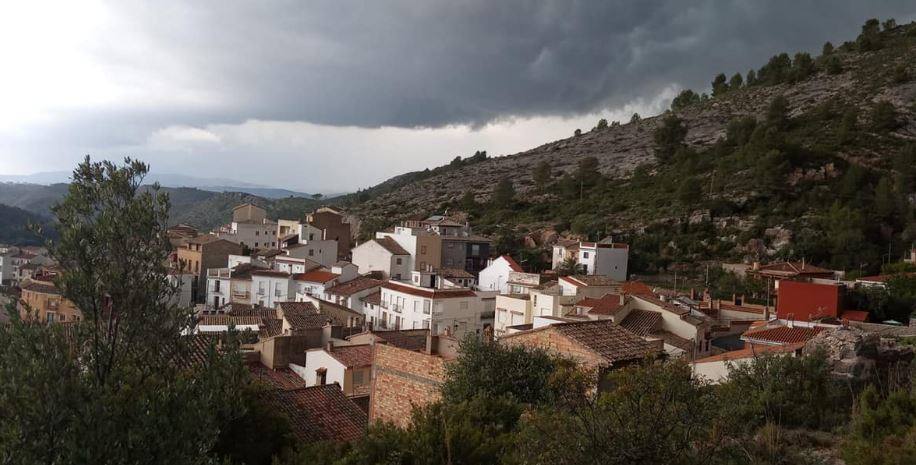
<point>430,342</point>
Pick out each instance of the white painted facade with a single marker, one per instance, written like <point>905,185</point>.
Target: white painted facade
<point>495,277</point>
<point>317,359</point>
<point>254,234</point>
<point>605,260</point>
<point>371,256</point>
<point>322,251</point>
<point>268,290</point>
<point>458,310</point>
<point>511,310</point>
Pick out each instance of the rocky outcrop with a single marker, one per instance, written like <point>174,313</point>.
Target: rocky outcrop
<point>860,356</point>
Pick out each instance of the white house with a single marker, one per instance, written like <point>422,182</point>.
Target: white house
<point>406,306</point>
<point>349,366</point>
<point>320,251</point>
<point>605,258</point>
<point>257,234</point>
<point>6,263</point>
<point>345,270</point>
<point>313,283</point>
<point>495,277</point>
<point>351,293</point>
<point>382,255</point>
<point>269,287</point>
<point>293,265</point>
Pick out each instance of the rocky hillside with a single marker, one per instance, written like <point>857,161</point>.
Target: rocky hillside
<point>855,78</point>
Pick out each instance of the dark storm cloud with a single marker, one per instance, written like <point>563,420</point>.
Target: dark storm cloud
<point>423,63</point>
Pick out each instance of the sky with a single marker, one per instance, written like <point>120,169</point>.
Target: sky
<point>332,96</point>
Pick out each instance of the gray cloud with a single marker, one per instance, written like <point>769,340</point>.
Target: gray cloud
<point>410,64</point>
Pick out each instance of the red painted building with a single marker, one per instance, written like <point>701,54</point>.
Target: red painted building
<point>804,301</point>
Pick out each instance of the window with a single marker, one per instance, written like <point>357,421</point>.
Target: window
<point>311,236</point>
<point>463,305</point>
<point>255,244</point>
<point>398,261</point>
<point>423,250</point>
<point>311,252</point>
<point>321,376</point>
<point>416,306</point>
<point>475,249</point>
<point>359,377</point>
<point>426,305</point>
<point>50,316</point>
<point>425,324</point>
<point>257,233</point>
<point>584,254</point>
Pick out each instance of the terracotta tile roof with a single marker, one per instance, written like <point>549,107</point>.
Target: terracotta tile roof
<point>283,378</point>
<point>353,356</point>
<point>250,310</point>
<point>409,339</point>
<point>198,349</point>
<point>790,269</point>
<point>297,308</point>
<point>429,293</point>
<point>642,322</point>
<point>606,338</point>
<point>226,320</point>
<point>374,299</point>
<point>781,334</point>
<point>203,239</point>
<point>41,288</point>
<point>636,288</point>
<point>316,276</point>
<point>391,245</point>
<point>687,345</point>
<point>663,305</point>
<point>750,351</point>
<point>590,280</point>
<point>307,321</point>
<point>351,287</point>
<point>271,327</point>
<point>609,304</point>
<point>513,265</point>
<point>453,273</point>
<point>320,413</point>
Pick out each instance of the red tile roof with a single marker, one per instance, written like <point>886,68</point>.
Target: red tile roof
<point>513,265</point>
<point>607,339</point>
<point>642,322</point>
<point>636,288</point>
<point>429,293</point>
<point>607,305</point>
<point>751,350</point>
<point>353,356</point>
<point>320,413</point>
<point>41,288</point>
<point>359,284</point>
<point>316,276</point>
<point>283,378</point>
<point>781,334</point>
<point>373,299</point>
<point>391,245</point>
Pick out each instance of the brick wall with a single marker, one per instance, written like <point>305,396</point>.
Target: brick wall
<point>550,340</point>
<point>402,379</point>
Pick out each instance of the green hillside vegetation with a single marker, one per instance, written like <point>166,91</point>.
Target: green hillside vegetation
<point>19,227</point>
<point>835,174</point>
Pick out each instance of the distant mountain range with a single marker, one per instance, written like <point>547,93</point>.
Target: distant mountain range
<point>169,180</point>
<point>204,209</point>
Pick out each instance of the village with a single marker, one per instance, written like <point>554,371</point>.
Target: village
<point>347,334</point>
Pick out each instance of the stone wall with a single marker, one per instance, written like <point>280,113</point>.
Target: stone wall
<point>402,379</point>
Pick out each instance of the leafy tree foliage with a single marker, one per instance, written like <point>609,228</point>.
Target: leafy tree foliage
<point>541,175</point>
<point>112,387</point>
<point>669,137</point>
<point>883,429</point>
<point>719,85</point>
<point>684,99</point>
<point>486,369</point>
<point>503,193</point>
<point>736,81</point>
<point>827,49</point>
<point>884,117</point>
<point>602,124</point>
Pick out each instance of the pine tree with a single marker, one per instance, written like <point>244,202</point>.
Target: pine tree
<point>504,193</point>
<point>541,175</point>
